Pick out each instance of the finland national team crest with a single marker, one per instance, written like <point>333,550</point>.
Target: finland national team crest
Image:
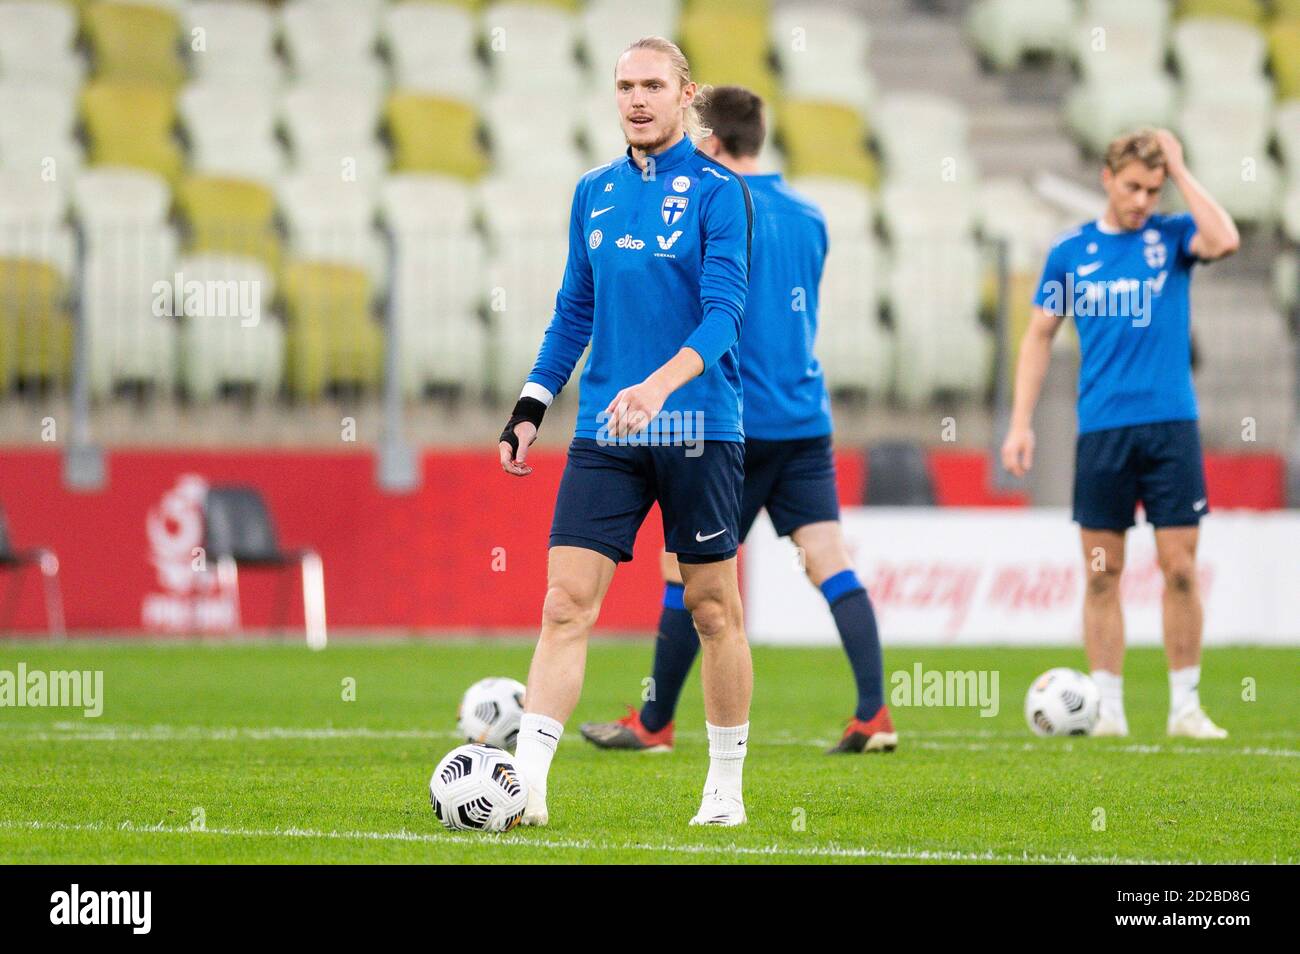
<point>673,207</point>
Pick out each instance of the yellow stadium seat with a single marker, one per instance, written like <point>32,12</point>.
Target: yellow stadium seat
<point>758,8</point>
<point>131,41</point>
<point>726,45</point>
<point>129,124</point>
<point>230,215</point>
<point>825,139</point>
<point>331,336</point>
<point>433,134</point>
<point>35,333</point>
<point>1248,11</point>
<point>1286,9</point>
<point>1284,55</point>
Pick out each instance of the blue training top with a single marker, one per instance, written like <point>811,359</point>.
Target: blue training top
<point>785,391</point>
<point>1129,295</point>
<point>658,260</point>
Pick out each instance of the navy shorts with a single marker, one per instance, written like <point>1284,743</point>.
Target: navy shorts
<point>1158,464</point>
<point>607,490</point>
<point>794,480</point>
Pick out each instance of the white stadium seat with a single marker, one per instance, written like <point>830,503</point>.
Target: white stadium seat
<point>846,205</point>
<point>531,46</point>
<point>33,224</point>
<point>332,220</point>
<point>36,43</point>
<point>422,201</point>
<point>432,46</point>
<point>32,111</point>
<point>1210,51</point>
<point>1005,30</point>
<point>238,41</point>
<point>524,206</point>
<point>854,348</point>
<point>935,211</point>
<point>227,347</point>
<point>606,27</point>
<point>108,197</point>
<point>324,36</point>
<point>1098,110</point>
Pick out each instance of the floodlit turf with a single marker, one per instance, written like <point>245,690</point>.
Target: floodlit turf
<point>248,753</point>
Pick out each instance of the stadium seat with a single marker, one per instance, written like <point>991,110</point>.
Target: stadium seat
<point>324,38</point>
<point>1123,49</point>
<point>923,137</point>
<point>1284,57</point>
<point>1247,11</point>
<point>822,52</point>
<point>935,211</point>
<point>1006,209</point>
<point>854,348</point>
<point>1098,110</point>
<point>37,120</point>
<point>330,220</point>
<point>134,42</point>
<point>600,127</point>
<point>1223,127</point>
<point>432,47</point>
<point>825,139</point>
<point>527,206</point>
<point>128,340</point>
<point>606,27</point>
<point>238,42</point>
<point>32,221</point>
<point>1005,30</point>
<point>728,45</point>
<point>237,529</point>
<point>220,344</point>
<point>129,124</point>
<point>433,134</point>
<point>331,336</point>
<point>231,126</point>
<point>35,333</point>
<point>524,274</point>
<point>1149,15</point>
<point>1286,129</point>
<point>416,201</point>
<point>515,129</point>
<point>331,130</point>
<point>36,44</point>
<point>43,559</point>
<point>898,476</point>
<point>1247,186</point>
<point>230,216</point>
<point>107,198</point>
<point>531,47</point>
<point>1214,52</point>
<point>846,205</point>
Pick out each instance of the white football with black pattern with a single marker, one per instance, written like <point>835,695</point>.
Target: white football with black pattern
<point>1063,702</point>
<point>477,788</point>
<point>490,712</point>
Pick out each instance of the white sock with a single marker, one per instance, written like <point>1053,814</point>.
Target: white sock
<point>727,747</point>
<point>1183,685</point>
<point>1112,694</point>
<point>538,737</point>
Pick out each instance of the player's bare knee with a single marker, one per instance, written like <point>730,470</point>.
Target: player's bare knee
<point>1180,575</point>
<point>1104,583</point>
<point>567,611</point>
<point>709,610</point>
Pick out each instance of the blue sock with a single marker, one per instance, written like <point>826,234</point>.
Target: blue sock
<point>856,621</point>
<point>675,649</point>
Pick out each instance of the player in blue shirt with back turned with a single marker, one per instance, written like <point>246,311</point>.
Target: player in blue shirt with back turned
<point>658,269</point>
<point>1125,279</point>
<point>789,468</point>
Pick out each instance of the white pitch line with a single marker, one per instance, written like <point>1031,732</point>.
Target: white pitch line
<point>919,739</point>
<point>519,840</point>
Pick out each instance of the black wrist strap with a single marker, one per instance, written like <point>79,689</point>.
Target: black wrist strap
<point>526,409</point>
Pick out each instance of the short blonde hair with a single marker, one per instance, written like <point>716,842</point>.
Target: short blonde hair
<point>695,126</point>
<point>1138,146</point>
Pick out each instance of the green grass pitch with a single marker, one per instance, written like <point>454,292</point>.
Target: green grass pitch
<point>248,752</point>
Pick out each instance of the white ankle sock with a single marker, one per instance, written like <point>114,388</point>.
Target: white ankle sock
<point>1112,694</point>
<point>727,748</point>
<point>1183,685</point>
<point>538,737</point>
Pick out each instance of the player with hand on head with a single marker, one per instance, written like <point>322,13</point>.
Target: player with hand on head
<point>658,268</point>
<point>789,468</point>
<point>1125,279</point>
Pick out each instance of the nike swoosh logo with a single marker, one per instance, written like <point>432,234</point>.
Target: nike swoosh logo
<point>1089,268</point>
<point>596,212</point>
<point>1199,505</point>
<point>700,539</point>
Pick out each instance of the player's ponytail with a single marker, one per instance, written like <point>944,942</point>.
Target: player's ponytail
<point>692,121</point>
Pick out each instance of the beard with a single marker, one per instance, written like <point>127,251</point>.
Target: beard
<point>647,144</point>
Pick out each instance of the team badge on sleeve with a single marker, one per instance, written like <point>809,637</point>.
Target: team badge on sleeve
<point>673,207</point>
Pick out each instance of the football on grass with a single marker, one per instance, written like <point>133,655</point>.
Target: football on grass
<point>476,788</point>
<point>490,712</point>
<point>1062,702</point>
